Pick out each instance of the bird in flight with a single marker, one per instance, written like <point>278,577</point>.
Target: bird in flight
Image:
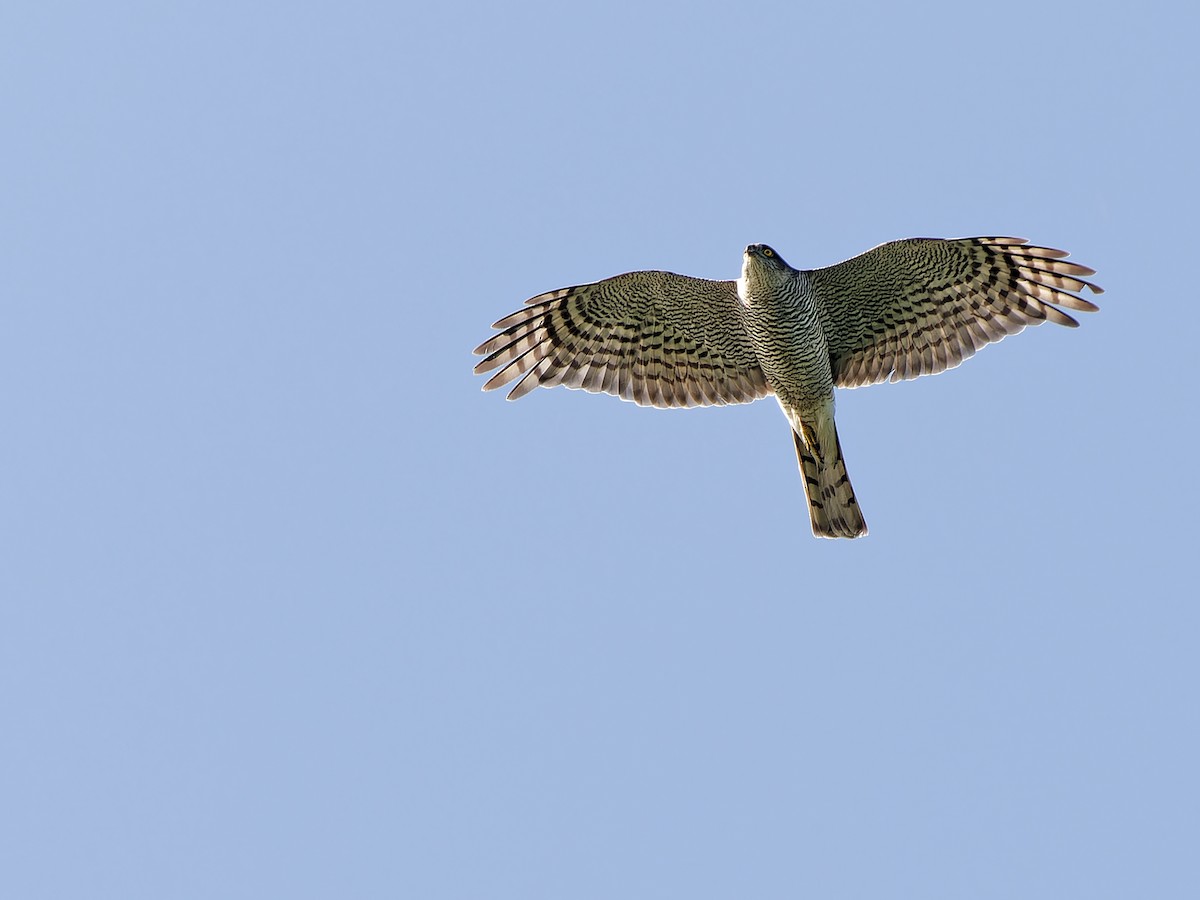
<point>906,308</point>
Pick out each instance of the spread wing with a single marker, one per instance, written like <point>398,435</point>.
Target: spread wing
<point>655,338</point>
<point>921,306</point>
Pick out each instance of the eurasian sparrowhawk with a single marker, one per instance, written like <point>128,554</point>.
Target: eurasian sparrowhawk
<point>906,308</point>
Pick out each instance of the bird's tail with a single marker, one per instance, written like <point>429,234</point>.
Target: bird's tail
<point>831,502</point>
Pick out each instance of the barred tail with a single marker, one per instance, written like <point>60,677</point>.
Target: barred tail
<point>831,502</point>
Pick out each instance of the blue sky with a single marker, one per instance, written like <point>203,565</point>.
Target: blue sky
<point>288,607</point>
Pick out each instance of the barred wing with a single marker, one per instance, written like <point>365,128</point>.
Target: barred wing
<point>921,306</point>
<point>655,338</point>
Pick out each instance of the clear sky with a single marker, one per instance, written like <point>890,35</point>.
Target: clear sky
<point>289,608</point>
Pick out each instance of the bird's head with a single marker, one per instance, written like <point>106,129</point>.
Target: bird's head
<point>761,265</point>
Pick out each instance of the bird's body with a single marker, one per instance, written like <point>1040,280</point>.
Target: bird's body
<point>904,309</point>
<point>784,321</point>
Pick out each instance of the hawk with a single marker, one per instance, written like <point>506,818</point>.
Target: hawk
<point>906,308</point>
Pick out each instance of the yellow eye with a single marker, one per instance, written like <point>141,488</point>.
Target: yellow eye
<point>768,252</point>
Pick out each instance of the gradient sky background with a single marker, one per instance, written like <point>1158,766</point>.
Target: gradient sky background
<point>291,609</point>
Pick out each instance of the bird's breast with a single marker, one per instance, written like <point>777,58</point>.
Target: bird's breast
<point>790,343</point>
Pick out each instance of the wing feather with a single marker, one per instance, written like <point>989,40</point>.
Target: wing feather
<point>920,306</point>
<point>656,338</point>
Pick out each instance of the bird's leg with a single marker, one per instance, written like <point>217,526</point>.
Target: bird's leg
<point>816,427</point>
